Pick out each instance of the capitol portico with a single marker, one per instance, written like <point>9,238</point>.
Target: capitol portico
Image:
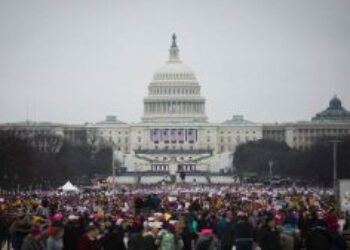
<point>174,134</point>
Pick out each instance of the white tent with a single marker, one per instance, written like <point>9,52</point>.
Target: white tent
<point>69,187</point>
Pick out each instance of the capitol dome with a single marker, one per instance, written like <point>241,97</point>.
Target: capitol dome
<point>174,93</point>
<point>174,69</point>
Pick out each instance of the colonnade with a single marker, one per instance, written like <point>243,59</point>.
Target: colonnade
<point>178,107</point>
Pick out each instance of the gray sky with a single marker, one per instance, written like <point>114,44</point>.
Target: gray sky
<point>75,61</point>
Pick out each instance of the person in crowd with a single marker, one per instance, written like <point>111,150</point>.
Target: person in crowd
<point>269,235</point>
<point>88,241</point>
<point>318,235</point>
<point>5,223</point>
<point>332,221</point>
<point>227,235</point>
<point>19,229</point>
<point>135,236</point>
<point>346,231</point>
<point>33,241</point>
<point>149,238</point>
<point>243,232</point>
<point>55,240</point>
<point>167,239</point>
<point>72,233</point>
<point>114,239</point>
<point>207,240</point>
<point>185,233</point>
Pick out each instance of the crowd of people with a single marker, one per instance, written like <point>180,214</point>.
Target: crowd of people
<point>174,217</point>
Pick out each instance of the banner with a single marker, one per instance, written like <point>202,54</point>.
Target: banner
<point>344,194</point>
<point>174,135</point>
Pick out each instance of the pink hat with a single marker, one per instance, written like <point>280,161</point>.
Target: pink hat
<point>57,217</point>
<point>207,231</point>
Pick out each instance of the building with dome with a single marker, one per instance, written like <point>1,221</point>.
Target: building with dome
<point>332,123</point>
<point>335,112</point>
<point>174,135</point>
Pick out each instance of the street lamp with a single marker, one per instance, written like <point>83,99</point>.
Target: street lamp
<point>270,169</point>
<point>113,169</point>
<point>335,175</point>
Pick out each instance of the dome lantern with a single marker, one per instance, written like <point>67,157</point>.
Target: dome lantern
<point>174,50</point>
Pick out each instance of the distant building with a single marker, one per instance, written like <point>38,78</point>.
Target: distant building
<point>334,122</point>
<point>335,112</point>
<point>174,134</point>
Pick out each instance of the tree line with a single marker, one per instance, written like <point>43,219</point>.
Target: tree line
<point>23,165</point>
<point>315,163</point>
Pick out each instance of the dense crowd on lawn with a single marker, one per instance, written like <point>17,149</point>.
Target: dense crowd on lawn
<point>169,217</point>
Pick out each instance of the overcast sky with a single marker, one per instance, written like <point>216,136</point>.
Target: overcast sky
<point>76,61</point>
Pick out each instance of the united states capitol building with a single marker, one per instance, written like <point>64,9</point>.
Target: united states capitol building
<point>174,134</point>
